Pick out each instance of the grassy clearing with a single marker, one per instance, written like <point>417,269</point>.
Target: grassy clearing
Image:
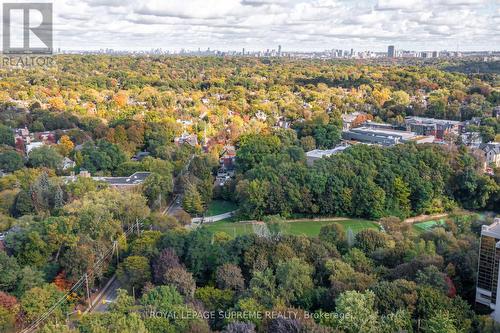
<point>312,228</point>
<point>422,227</point>
<point>233,229</point>
<point>427,225</point>
<point>217,207</point>
<point>307,228</point>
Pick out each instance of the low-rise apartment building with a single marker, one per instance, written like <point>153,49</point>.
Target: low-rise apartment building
<point>430,126</point>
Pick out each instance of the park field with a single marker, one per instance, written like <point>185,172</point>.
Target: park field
<point>217,207</point>
<point>307,228</point>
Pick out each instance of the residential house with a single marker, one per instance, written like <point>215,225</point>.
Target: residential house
<point>471,139</point>
<point>47,137</point>
<point>190,139</point>
<point>491,153</point>
<point>227,166</point>
<point>475,121</point>
<point>34,145</point>
<point>283,123</point>
<point>22,138</point>
<point>67,164</point>
<point>228,158</point>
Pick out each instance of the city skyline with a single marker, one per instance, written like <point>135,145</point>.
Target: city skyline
<point>298,25</point>
<point>484,55</point>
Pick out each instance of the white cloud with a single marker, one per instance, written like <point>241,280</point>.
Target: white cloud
<point>398,4</point>
<point>260,24</point>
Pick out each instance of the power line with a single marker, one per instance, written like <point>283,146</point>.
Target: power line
<point>83,279</point>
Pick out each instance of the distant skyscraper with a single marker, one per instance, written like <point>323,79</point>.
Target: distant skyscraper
<point>243,51</point>
<point>279,50</point>
<point>352,52</point>
<point>390,51</point>
<point>488,288</point>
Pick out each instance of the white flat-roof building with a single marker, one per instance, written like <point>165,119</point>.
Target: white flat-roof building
<point>385,137</point>
<point>131,181</point>
<point>316,154</point>
<point>33,145</point>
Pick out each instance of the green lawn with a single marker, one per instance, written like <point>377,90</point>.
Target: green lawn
<point>312,228</point>
<point>308,228</point>
<point>217,207</point>
<point>233,229</point>
<point>427,225</point>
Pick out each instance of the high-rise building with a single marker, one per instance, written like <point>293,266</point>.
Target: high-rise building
<point>487,287</point>
<point>279,50</point>
<point>390,51</point>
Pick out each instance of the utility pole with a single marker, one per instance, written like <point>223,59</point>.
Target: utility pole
<point>84,279</point>
<point>115,248</point>
<point>88,290</point>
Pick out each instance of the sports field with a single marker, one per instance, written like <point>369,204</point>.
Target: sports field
<point>308,228</point>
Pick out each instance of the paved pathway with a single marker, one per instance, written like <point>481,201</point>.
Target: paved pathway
<point>423,218</point>
<point>214,218</point>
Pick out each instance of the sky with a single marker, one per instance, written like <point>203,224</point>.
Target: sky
<point>296,25</point>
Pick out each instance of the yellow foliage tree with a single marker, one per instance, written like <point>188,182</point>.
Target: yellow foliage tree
<point>121,98</point>
<point>65,145</point>
<point>57,103</point>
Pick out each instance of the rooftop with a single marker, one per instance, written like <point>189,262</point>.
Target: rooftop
<point>414,119</point>
<point>350,117</point>
<point>135,179</point>
<point>492,230</point>
<point>384,132</point>
<point>319,153</point>
<point>491,146</point>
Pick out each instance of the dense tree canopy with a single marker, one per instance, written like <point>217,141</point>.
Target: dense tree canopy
<point>363,181</point>
<point>115,115</point>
